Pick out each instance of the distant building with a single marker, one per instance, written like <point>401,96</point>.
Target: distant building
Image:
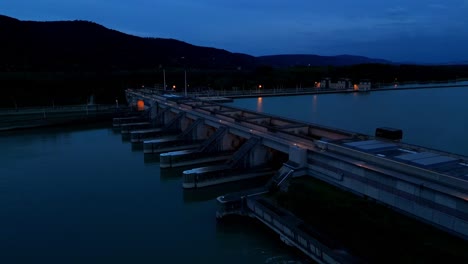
<point>364,85</point>
<point>325,83</point>
<point>341,84</point>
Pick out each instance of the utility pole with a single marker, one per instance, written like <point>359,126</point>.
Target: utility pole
<point>164,77</point>
<point>185,79</point>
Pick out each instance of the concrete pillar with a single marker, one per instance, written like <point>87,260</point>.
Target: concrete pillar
<point>185,123</point>
<point>167,117</point>
<point>298,155</point>
<point>258,156</point>
<point>153,113</point>
<point>203,132</point>
<point>230,142</point>
<point>153,110</point>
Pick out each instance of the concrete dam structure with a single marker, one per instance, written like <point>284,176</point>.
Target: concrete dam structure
<point>429,185</point>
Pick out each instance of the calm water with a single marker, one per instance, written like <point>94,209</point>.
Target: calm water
<point>83,196</point>
<point>436,118</point>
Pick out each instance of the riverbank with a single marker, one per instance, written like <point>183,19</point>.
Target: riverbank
<point>227,96</point>
<point>25,118</point>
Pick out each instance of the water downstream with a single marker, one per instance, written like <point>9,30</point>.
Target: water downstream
<point>83,196</point>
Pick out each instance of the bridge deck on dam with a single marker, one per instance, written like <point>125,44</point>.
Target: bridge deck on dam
<point>444,163</point>
<point>305,134</point>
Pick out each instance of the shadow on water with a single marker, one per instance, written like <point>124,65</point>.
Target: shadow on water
<point>237,226</point>
<point>171,174</point>
<point>151,158</point>
<point>126,138</point>
<point>212,192</point>
<point>116,130</point>
<point>137,147</point>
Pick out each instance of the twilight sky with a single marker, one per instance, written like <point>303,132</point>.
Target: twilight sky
<point>399,30</point>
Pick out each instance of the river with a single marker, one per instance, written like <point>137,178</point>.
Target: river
<point>82,195</point>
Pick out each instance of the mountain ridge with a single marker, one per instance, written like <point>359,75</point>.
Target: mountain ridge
<point>71,45</point>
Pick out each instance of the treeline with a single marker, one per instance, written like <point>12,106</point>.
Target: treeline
<point>48,88</point>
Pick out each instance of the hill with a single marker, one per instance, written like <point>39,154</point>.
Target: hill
<point>75,45</point>
<point>285,61</point>
<point>83,45</point>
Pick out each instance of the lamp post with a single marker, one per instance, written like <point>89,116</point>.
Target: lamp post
<point>164,79</point>
<point>185,74</point>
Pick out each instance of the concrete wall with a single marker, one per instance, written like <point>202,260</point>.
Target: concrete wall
<point>403,192</point>
<point>231,142</point>
<point>298,155</point>
<point>258,156</point>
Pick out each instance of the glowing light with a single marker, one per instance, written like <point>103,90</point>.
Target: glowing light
<point>173,87</point>
<point>140,105</point>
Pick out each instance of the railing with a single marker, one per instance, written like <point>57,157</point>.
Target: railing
<point>244,149</point>
<point>198,155</point>
<point>186,132</point>
<point>206,146</point>
<point>223,172</point>
<point>62,108</point>
<point>288,226</point>
<point>284,176</point>
<point>174,122</point>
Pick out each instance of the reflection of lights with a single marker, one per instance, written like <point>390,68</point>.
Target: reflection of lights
<point>314,104</point>
<point>260,104</point>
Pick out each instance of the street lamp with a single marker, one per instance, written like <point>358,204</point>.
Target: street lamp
<point>185,80</point>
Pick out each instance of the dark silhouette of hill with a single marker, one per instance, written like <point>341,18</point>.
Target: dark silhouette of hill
<point>285,61</point>
<point>82,45</point>
<point>87,46</point>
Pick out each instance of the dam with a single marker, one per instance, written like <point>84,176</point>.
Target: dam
<point>426,184</point>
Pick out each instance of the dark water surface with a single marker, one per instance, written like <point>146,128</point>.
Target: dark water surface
<point>83,196</point>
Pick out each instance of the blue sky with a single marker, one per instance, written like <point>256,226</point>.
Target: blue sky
<point>398,30</point>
